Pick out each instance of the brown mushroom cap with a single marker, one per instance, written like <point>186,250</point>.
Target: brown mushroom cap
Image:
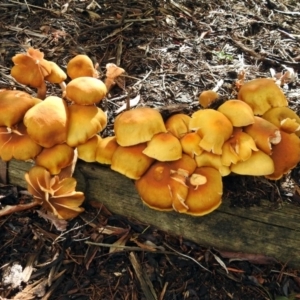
<point>81,65</point>
<point>16,143</point>
<point>190,144</point>
<point>14,105</point>
<point>213,127</point>
<point>105,149</point>
<point>57,75</point>
<point>238,112</point>
<point>204,196</point>
<point>138,125</point>
<point>264,134</point>
<point>262,94</point>
<point>208,97</point>
<point>284,118</point>
<point>85,90</point>
<point>46,122</point>
<point>178,125</point>
<point>56,158</point>
<point>131,161</point>
<point>259,164</point>
<point>87,151</point>
<point>164,146</point>
<point>285,155</point>
<point>84,122</point>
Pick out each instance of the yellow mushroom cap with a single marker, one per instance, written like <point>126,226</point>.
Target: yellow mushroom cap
<point>204,196</point>
<point>14,105</point>
<point>164,146</point>
<point>178,125</point>
<point>207,97</point>
<point>284,118</point>
<point>285,155</point>
<point>138,125</point>
<point>56,158</point>
<point>57,75</point>
<point>213,127</point>
<point>85,90</point>
<point>238,112</point>
<point>190,144</point>
<point>105,149</point>
<point>131,161</point>
<point>16,143</point>
<point>259,164</point>
<point>46,122</point>
<point>87,151</point>
<point>84,122</point>
<point>264,134</point>
<point>81,65</point>
<point>262,94</point>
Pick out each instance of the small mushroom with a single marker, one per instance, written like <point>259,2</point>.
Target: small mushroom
<point>88,150</point>
<point>85,90</point>
<point>213,127</point>
<point>178,125</point>
<point>206,98</point>
<point>105,149</point>
<point>138,125</point>
<point>81,65</point>
<point>190,144</point>
<point>112,74</point>
<point>262,94</point>
<point>57,75</point>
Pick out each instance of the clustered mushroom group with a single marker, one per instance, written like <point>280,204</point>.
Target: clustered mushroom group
<point>177,164</point>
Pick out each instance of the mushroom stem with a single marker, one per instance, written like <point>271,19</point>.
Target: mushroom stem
<point>41,92</point>
<point>9,209</point>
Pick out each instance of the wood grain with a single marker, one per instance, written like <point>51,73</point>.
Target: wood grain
<point>255,230</point>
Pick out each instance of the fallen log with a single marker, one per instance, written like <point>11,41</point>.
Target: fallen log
<point>255,230</point>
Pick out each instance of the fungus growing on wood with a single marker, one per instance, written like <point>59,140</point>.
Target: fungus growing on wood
<point>85,90</point>
<point>262,94</point>
<point>138,125</point>
<point>14,105</point>
<point>213,127</point>
<point>259,164</point>
<point>284,118</point>
<point>190,144</point>
<point>131,161</point>
<point>31,69</point>
<point>87,151</point>
<point>16,143</point>
<point>204,196</point>
<point>285,155</point>
<point>46,122</point>
<point>80,66</point>
<point>238,112</point>
<point>84,121</point>
<point>178,125</point>
<point>206,98</point>
<point>56,158</point>
<point>54,195</point>
<point>105,149</point>
<point>164,146</point>
<point>264,134</point>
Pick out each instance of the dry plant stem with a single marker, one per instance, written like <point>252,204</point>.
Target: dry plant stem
<point>9,209</point>
<point>144,280</point>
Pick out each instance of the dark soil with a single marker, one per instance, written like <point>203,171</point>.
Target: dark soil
<point>171,51</point>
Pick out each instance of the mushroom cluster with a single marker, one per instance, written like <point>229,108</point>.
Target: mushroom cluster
<point>177,164</point>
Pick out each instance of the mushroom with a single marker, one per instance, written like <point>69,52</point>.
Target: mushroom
<point>205,191</point>
<point>85,90</point>
<point>264,134</point>
<point>164,146</point>
<point>131,161</point>
<point>238,112</point>
<point>284,118</point>
<point>46,122</point>
<point>56,196</point>
<point>56,158</point>
<point>31,69</point>
<point>259,164</point>
<point>57,75</point>
<point>88,150</point>
<point>138,125</point>
<point>84,122</point>
<point>16,143</point>
<point>213,127</point>
<point>262,94</point>
<point>105,149</point>
<point>190,144</point>
<point>14,105</point>
<point>81,65</point>
<point>285,155</point>
<point>112,74</point>
<point>178,125</point>
<point>206,98</point>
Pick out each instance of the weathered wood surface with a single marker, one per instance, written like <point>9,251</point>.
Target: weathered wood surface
<point>257,230</point>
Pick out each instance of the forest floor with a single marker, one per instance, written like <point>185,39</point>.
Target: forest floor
<point>171,51</point>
